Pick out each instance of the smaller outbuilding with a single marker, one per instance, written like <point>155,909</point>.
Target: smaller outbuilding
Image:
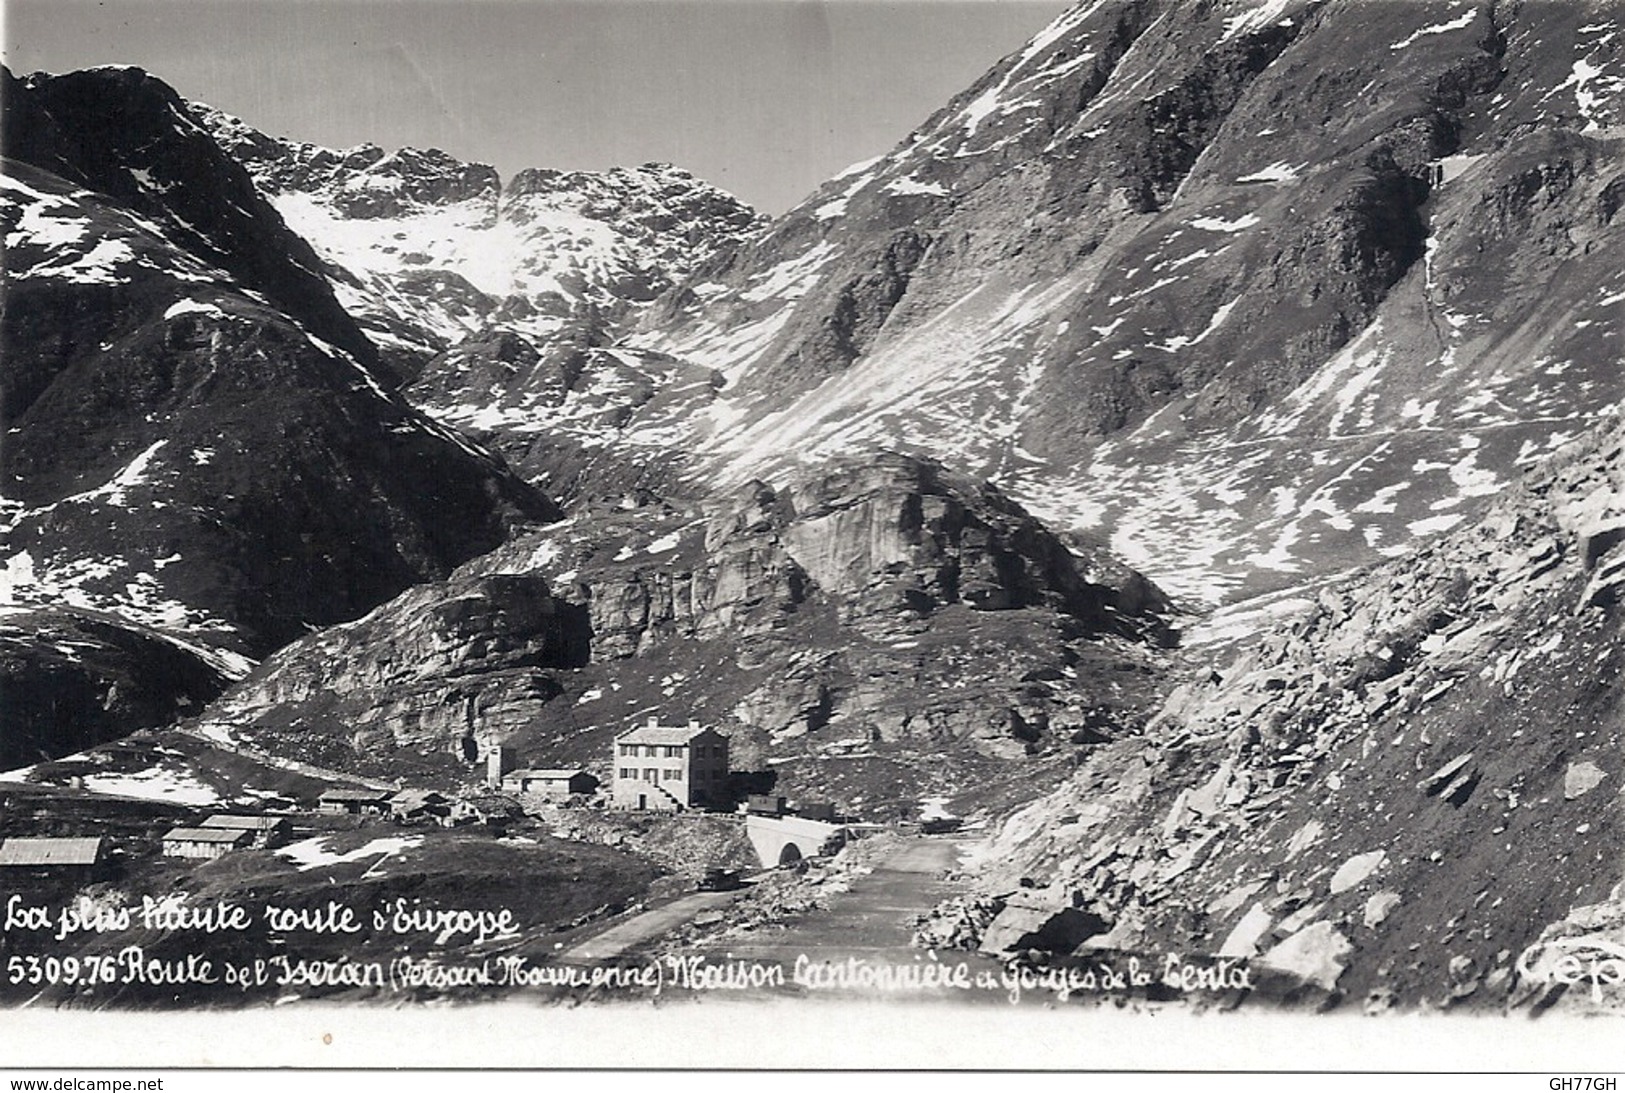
<point>53,856</point>
<point>419,804</point>
<point>205,842</point>
<point>267,832</point>
<point>353,802</point>
<point>555,785</point>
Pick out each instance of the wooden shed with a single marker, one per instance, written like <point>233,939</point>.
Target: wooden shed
<point>55,856</point>
<point>552,784</point>
<point>353,802</point>
<point>268,832</point>
<point>205,842</point>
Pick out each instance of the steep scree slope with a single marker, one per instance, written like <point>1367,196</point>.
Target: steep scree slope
<point>1389,796</point>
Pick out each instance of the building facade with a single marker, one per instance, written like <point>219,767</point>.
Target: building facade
<point>205,842</point>
<point>668,769</point>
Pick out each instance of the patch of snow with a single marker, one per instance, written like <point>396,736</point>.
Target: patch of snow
<point>18,572</point>
<point>908,184</point>
<point>790,279</point>
<point>1256,18</point>
<point>134,474</point>
<point>155,784</point>
<point>192,307</point>
<point>1461,22</point>
<point>1435,524</point>
<point>97,266</point>
<point>1279,171</point>
<point>859,167</point>
<point>313,853</point>
<point>1216,224</point>
<point>666,542</point>
<point>979,108</point>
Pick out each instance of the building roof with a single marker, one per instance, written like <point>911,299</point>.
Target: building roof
<point>50,851</point>
<point>661,734</point>
<point>417,798</point>
<point>354,794</point>
<point>246,823</point>
<point>205,835</point>
<point>547,775</point>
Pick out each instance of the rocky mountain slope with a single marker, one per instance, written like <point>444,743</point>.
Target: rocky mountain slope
<point>1252,294</point>
<point>1396,797</point>
<point>199,437</point>
<point>875,614</point>
<point>1256,290</point>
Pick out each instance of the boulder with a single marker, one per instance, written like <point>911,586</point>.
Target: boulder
<point>1356,870</point>
<point>1029,923</point>
<point>1315,954</point>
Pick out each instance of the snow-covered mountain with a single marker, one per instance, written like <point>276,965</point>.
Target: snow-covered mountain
<point>495,300</point>
<point>427,251</point>
<point>1258,290</point>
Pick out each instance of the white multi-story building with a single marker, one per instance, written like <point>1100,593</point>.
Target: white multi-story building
<point>670,769</point>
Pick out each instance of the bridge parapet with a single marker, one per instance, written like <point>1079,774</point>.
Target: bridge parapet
<point>780,840</point>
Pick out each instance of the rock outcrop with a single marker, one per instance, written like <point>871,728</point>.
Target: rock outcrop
<point>878,610</point>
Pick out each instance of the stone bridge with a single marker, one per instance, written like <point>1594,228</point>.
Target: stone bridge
<point>780,840</point>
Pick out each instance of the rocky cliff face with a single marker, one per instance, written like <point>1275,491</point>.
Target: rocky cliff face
<point>882,610</point>
<point>1387,796</point>
<point>1256,291</point>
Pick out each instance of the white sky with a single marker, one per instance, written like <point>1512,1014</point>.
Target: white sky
<point>766,98</point>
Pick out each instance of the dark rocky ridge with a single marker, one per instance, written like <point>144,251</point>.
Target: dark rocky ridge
<point>192,446</point>
<point>315,495</point>
<point>127,136</point>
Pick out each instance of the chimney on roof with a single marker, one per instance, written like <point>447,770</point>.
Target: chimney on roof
<point>654,722</point>
<point>693,724</point>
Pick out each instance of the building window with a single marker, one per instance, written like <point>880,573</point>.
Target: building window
<point>673,752</point>
<point>649,751</point>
